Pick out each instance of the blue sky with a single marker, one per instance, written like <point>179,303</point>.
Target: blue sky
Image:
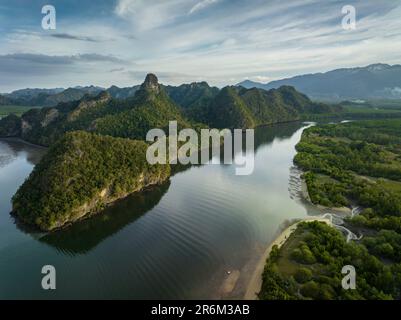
<point>108,42</point>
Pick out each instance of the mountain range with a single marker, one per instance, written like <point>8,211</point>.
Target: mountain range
<point>376,81</point>
<point>153,106</point>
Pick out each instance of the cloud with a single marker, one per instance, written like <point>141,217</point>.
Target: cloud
<point>42,59</point>
<point>222,42</point>
<point>202,5</point>
<point>73,37</point>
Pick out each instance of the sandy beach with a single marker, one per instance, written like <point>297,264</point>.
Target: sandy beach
<point>255,284</point>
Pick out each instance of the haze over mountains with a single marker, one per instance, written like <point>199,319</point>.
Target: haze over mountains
<point>376,81</point>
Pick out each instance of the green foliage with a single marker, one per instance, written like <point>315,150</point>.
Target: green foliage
<point>322,280</point>
<point>244,108</point>
<point>131,118</point>
<point>353,162</point>
<point>82,173</point>
<point>303,275</point>
<point>10,126</point>
<point>341,161</point>
<point>192,95</point>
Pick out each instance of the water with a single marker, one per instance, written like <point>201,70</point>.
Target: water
<point>177,241</point>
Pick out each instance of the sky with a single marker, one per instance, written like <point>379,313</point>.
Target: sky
<point>223,42</point>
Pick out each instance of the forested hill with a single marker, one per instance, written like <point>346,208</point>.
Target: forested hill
<point>154,105</point>
<point>82,173</point>
<point>237,107</point>
<point>130,118</point>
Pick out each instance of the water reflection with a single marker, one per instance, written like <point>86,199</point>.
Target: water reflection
<point>177,241</point>
<point>10,149</point>
<point>83,236</point>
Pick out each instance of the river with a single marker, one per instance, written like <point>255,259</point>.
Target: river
<point>181,240</point>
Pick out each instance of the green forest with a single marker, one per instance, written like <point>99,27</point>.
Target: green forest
<point>308,266</point>
<point>80,175</point>
<point>348,164</point>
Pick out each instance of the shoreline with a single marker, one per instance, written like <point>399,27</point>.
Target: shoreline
<point>20,140</point>
<point>255,284</point>
<point>306,197</point>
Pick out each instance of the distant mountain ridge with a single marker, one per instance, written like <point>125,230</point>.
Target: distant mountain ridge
<point>376,81</point>
<point>52,97</point>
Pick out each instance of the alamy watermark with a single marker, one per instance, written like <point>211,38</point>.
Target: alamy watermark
<point>186,147</point>
<point>49,280</point>
<point>49,20</point>
<point>349,20</point>
<point>349,280</point>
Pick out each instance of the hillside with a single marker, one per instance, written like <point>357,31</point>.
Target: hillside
<point>152,108</point>
<point>130,118</point>
<point>236,107</point>
<point>81,174</point>
<point>192,95</point>
<point>377,81</point>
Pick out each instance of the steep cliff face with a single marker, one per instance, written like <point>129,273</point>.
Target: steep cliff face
<point>81,174</point>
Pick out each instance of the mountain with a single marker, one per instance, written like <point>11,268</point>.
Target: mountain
<point>122,93</point>
<point>5,101</point>
<point>248,84</point>
<point>51,97</point>
<point>26,95</point>
<point>192,95</point>
<point>130,118</point>
<point>151,108</point>
<point>80,175</point>
<point>237,107</point>
<point>376,81</point>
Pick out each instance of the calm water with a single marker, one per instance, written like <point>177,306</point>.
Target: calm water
<point>174,242</point>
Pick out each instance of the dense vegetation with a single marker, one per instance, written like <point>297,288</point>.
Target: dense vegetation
<point>192,95</point>
<point>309,266</point>
<point>345,164</point>
<point>130,118</point>
<point>354,162</point>
<point>80,174</point>
<point>237,107</point>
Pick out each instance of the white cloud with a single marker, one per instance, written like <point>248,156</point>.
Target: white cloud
<point>227,43</point>
<point>201,5</point>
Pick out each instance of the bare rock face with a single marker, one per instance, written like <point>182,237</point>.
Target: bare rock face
<point>50,116</point>
<point>151,83</point>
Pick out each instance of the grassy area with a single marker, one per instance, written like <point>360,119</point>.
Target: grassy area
<point>18,110</point>
<point>370,110</point>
